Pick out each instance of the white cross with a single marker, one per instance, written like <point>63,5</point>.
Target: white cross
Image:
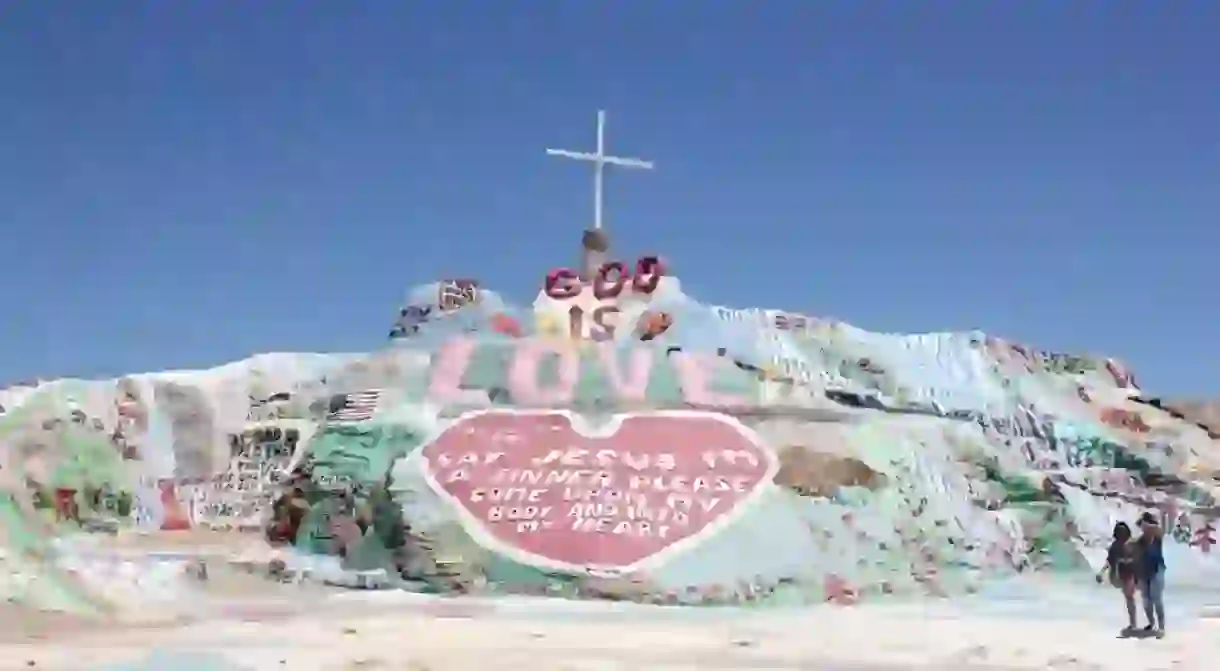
<point>600,161</point>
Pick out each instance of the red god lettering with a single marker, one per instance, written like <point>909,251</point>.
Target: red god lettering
<point>545,489</point>
<point>610,280</point>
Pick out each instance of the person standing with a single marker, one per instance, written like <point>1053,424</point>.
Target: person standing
<point>1121,568</point>
<point>1151,567</point>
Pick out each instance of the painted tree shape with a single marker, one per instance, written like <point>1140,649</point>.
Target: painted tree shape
<point>1205,537</point>
<point>1181,529</point>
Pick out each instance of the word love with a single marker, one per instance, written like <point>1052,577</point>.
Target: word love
<point>609,281</point>
<point>627,373</point>
<point>550,490</point>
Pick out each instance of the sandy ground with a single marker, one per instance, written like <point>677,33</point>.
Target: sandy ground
<point>247,622</point>
<point>399,631</point>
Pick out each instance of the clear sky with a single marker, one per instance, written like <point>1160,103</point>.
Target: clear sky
<point>186,183</point>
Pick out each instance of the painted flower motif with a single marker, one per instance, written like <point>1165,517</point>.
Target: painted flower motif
<point>502,323</point>
<point>652,324</point>
<point>838,591</point>
<point>548,325</point>
<point>1205,537</point>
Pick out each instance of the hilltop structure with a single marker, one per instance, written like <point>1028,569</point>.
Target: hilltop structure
<point>616,438</point>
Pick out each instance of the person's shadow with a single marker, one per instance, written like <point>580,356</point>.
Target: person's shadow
<point>1137,633</point>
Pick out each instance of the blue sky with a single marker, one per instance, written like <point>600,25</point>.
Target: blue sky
<point>186,183</point>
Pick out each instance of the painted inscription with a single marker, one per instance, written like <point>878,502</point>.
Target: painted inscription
<point>258,458</point>
<point>626,371</point>
<point>609,281</point>
<point>553,491</point>
<point>597,310</point>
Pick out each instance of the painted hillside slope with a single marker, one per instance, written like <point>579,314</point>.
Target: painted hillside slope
<point>704,455</point>
<point>1204,413</point>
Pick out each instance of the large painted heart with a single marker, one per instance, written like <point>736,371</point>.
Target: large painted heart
<point>549,489</point>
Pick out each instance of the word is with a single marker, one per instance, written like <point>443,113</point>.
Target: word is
<point>565,283</point>
<point>598,325</point>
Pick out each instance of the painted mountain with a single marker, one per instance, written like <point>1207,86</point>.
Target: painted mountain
<point>612,440</point>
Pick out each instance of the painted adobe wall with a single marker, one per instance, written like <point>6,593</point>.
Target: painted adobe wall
<point>733,456</point>
<point>831,501</point>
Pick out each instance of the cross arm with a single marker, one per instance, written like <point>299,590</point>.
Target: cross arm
<point>628,162</point>
<point>572,154</point>
<point>608,160</point>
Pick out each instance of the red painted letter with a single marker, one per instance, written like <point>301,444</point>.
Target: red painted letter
<point>604,288</point>
<point>562,284</point>
<point>648,273</point>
